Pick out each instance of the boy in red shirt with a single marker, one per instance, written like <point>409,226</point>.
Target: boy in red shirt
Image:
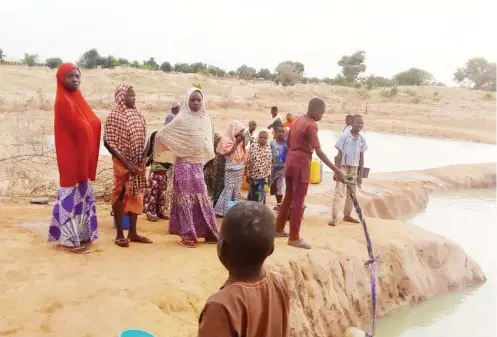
<point>302,142</point>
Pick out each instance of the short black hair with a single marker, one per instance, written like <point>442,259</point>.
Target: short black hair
<point>274,108</point>
<point>264,131</point>
<point>357,116</point>
<point>249,229</point>
<point>316,103</point>
<point>349,116</point>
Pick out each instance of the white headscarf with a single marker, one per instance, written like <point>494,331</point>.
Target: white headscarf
<point>190,134</point>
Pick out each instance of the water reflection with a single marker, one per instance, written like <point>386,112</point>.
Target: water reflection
<point>466,217</point>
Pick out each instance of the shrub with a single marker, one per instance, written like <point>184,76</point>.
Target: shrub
<point>413,76</point>
<point>488,97</point>
<point>389,92</point>
<point>416,100</point>
<point>197,85</point>
<point>53,63</point>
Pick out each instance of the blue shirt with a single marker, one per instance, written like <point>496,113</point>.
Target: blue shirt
<point>279,151</point>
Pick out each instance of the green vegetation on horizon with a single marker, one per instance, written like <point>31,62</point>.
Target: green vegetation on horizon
<point>478,73</point>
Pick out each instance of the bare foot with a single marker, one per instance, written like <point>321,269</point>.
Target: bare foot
<point>299,244</point>
<point>348,218</point>
<point>333,222</point>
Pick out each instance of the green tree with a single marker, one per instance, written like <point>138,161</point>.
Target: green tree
<point>289,73</point>
<point>183,68</point>
<point>30,59</point>
<point>413,76</point>
<point>90,59</point>
<point>373,81</point>
<point>1,55</point>
<point>232,73</point>
<point>265,74</point>
<point>135,64</point>
<point>53,62</point>
<point>353,65</point>
<point>199,67</point>
<point>479,73</point>
<point>109,62</point>
<point>122,62</point>
<point>216,71</point>
<point>166,67</point>
<point>246,72</point>
<point>151,64</point>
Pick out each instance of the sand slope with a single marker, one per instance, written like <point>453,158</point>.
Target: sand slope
<point>163,287</point>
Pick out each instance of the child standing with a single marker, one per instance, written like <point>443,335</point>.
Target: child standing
<point>276,118</point>
<point>348,123</point>
<point>252,302</point>
<point>157,199</point>
<point>258,168</point>
<point>232,147</point>
<point>351,147</point>
<point>279,150</point>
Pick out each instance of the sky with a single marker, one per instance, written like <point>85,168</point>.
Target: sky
<point>435,35</point>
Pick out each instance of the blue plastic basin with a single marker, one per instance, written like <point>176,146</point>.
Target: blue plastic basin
<point>135,333</point>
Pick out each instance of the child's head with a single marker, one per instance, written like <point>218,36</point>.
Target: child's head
<point>348,120</point>
<point>357,123</point>
<point>289,117</point>
<point>247,235</point>
<point>262,138</point>
<point>274,111</point>
<point>316,109</point>
<point>279,132</point>
<point>252,126</point>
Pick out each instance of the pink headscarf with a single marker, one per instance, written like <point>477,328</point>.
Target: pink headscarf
<point>229,138</point>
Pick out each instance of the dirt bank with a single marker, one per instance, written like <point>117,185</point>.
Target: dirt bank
<point>162,287</point>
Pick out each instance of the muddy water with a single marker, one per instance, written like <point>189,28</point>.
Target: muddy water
<point>391,153</point>
<point>468,218</point>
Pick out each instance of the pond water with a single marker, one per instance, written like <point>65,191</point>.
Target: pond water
<point>467,217</point>
<point>390,153</point>
<point>385,150</point>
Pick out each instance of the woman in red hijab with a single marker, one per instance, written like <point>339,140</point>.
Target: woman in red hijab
<point>77,143</point>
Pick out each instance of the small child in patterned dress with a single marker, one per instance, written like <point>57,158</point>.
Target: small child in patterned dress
<point>258,168</point>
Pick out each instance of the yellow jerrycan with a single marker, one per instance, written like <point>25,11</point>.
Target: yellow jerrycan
<point>316,171</point>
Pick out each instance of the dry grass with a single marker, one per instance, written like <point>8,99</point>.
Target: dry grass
<point>27,166</point>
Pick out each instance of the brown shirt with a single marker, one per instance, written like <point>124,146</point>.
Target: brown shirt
<point>302,140</point>
<point>258,309</point>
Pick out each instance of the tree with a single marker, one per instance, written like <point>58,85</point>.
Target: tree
<point>265,74</point>
<point>122,62</point>
<point>478,72</point>
<point>30,59</point>
<point>216,71</point>
<point>53,62</point>
<point>377,82</point>
<point>289,73</point>
<point>413,76</point>
<point>199,67</point>
<point>109,62</point>
<point>90,59</point>
<point>246,72</point>
<point>232,73</point>
<point>353,65</point>
<point>1,55</point>
<point>135,64</point>
<point>151,64</point>
<point>166,67</point>
<point>183,68</point>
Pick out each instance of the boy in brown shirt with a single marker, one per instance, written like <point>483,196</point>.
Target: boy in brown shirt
<point>252,302</point>
<point>302,142</point>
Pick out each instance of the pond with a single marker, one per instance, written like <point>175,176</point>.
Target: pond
<point>467,217</point>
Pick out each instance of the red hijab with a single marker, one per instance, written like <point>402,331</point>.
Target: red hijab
<point>77,134</point>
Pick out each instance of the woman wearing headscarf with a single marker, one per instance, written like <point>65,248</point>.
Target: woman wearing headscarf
<point>189,136</point>
<point>77,142</point>
<point>232,147</point>
<point>125,134</point>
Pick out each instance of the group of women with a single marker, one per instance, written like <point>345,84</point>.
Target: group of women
<point>189,138</point>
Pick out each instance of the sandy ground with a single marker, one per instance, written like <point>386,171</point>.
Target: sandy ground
<point>163,287</point>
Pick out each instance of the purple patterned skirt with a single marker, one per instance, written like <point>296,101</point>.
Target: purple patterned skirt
<point>192,216</point>
<point>74,218</point>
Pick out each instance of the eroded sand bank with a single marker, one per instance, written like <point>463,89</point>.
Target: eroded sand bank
<point>162,287</point>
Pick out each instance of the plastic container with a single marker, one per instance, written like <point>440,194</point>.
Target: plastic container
<point>316,171</point>
<point>135,333</point>
<point>232,203</point>
<point>125,222</point>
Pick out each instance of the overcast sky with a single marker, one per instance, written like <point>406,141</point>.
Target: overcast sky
<point>436,35</point>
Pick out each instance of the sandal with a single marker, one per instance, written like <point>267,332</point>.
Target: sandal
<point>281,234</point>
<point>76,250</point>
<point>139,239</point>
<point>299,244</point>
<point>350,219</point>
<point>152,217</point>
<point>122,242</point>
<point>188,243</point>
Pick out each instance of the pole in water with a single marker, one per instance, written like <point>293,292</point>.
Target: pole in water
<point>355,332</point>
